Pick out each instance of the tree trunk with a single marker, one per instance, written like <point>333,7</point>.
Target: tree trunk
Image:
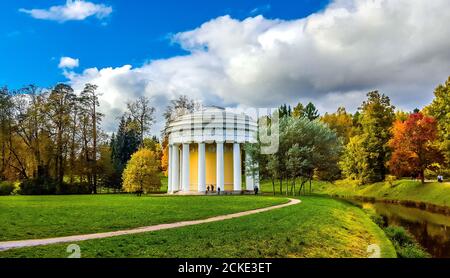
<point>281,186</point>
<point>94,135</point>
<point>422,176</point>
<point>273,186</point>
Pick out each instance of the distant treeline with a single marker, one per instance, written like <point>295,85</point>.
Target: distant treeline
<point>52,142</point>
<point>376,143</point>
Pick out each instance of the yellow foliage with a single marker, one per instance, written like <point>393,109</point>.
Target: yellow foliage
<point>142,172</point>
<point>165,161</point>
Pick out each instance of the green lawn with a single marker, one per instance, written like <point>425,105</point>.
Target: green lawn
<point>404,190</point>
<point>318,227</point>
<point>31,217</point>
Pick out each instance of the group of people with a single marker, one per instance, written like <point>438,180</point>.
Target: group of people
<point>440,179</point>
<point>211,188</point>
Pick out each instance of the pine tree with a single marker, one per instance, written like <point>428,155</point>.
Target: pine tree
<point>124,144</point>
<point>311,112</point>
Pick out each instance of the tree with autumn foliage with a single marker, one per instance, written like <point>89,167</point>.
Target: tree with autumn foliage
<point>142,173</point>
<point>414,146</point>
<point>340,122</point>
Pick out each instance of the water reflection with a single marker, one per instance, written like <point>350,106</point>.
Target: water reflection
<point>431,230</point>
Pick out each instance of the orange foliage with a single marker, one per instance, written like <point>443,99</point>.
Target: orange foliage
<point>413,145</point>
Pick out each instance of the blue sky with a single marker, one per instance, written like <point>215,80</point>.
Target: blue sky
<point>135,32</point>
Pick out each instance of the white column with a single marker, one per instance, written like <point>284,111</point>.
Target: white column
<point>175,168</point>
<point>169,170</point>
<point>237,181</point>
<point>220,167</point>
<point>201,168</point>
<point>186,178</point>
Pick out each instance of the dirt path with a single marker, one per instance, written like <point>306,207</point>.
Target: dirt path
<point>37,242</point>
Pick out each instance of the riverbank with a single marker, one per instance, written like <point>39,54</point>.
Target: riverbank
<point>431,196</point>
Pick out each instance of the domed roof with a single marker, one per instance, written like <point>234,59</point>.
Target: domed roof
<point>212,124</point>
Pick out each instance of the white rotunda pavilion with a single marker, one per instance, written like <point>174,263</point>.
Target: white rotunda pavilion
<point>206,151</point>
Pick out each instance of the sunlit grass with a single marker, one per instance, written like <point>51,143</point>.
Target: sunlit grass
<point>31,217</point>
<point>318,227</point>
<point>430,192</point>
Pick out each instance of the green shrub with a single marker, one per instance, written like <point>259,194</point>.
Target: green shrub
<point>377,219</point>
<point>39,186</point>
<point>412,251</point>
<point>399,235</point>
<point>404,243</point>
<point>6,188</point>
<point>75,188</point>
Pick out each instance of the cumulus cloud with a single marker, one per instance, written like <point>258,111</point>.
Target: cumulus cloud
<point>68,63</point>
<point>332,57</point>
<point>72,10</point>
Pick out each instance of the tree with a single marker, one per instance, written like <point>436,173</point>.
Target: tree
<point>108,177</point>
<point>180,106</point>
<point>284,111</point>
<point>299,111</point>
<point>89,99</point>
<point>311,113</point>
<point>341,122</point>
<point>142,113</point>
<point>377,116</point>
<point>274,171</point>
<point>165,156</point>
<point>305,149</point>
<point>414,145</point>
<point>57,109</point>
<point>29,130</point>
<point>440,110</point>
<point>142,173</point>
<point>125,143</point>
<point>6,112</point>
<point>354,162</point>
<point>311,147</point>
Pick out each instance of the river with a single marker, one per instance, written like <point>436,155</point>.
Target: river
<point>431,230</point>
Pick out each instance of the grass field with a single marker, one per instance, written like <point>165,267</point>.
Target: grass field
<point>318,227</point>
<point>31,217</point>
<point>404,190</point>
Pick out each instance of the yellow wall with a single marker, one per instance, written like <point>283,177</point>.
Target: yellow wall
<point>211,166</point>
<point>228,165</point>
<point>193,167</point>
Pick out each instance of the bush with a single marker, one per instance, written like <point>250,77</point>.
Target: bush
<point>6,188</point>
<point>399,235</point>
<point>390,179</point>
<point>377,219</point>
<point>48,186</point>
<point>38,186</point>
<point>75,188</point>
<point>404,243</point>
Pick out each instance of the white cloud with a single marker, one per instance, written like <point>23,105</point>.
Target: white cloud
<point>332,58</point>
<point>72,10</point>
<point>68,63</point>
